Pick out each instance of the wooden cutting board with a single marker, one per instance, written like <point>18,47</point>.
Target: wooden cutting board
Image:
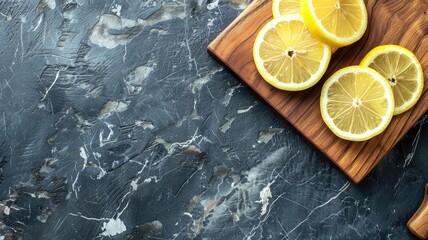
<point>390,22</point>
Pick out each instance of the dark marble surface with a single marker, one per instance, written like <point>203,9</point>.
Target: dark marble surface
<point>115,123</point>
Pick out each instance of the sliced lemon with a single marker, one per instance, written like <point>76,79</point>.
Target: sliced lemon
<point>403,71</point>
<point>357,103</point>
<point>287,56</point>
<point>282,8</point>
<point>336,22</point>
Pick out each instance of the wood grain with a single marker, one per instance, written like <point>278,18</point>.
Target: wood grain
<point>418,224</point>
<point>390,22</point>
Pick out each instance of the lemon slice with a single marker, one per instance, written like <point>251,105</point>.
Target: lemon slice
<point>282,8</point>
<point>357,103</point>
<point>336,22</point>
<point>287,56</point>
<point>403,71</point>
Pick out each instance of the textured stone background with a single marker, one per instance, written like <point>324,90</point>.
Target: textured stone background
<point>117,124</point>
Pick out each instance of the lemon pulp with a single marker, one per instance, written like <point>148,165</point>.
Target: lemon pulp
<point>282,8</point>
<point>287,56</point>
<point>356,103</point>
<point>403,71</point>
<point>336,22</point>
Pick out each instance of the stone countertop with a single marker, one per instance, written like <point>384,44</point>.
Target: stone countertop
<point>117,124</point>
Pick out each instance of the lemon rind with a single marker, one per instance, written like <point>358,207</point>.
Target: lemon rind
<point>275,9</point>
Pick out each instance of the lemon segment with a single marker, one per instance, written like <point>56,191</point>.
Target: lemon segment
<point>287,56</point>
<point>335,22</point>
<point>356,103</point>
<point>282,8</point>
<point>403,71</point>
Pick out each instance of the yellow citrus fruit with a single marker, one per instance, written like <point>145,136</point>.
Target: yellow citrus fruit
<point>282,8</point>
<point>403,71</point>
<point>336,22</point>
<point>357,103</point>
<point>287,56</point>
